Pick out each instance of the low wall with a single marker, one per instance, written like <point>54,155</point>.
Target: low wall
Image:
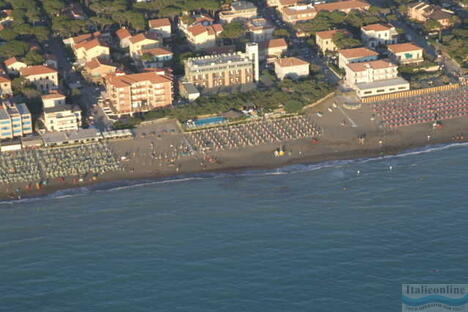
<point>409,93</point>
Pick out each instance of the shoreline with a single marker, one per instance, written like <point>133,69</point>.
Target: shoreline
<point>126,179</point>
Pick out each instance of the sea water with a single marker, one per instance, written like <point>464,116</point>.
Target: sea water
<point>338,236</point>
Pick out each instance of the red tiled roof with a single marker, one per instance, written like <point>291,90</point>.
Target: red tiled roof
<point>89,44</point>
<point>277,43</point>
<point>160,22</point>
<point>37,70</point>
<point>197,30</point>
<point>53,96</point>
<point>403,47</point>
<point>378,64</point>
<point>11,61</point>
<point>342,5</point>
<point>328,34</point>
<point>123,33</point>
<point>128,80</point>
<point>291,61</point>
<point>4,79</point>
<point>157,51</point>
<point>143,36</point>
<point>357,52</point>
<point>377,27</point>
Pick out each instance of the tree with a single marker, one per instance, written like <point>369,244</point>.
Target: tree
<point>432,25</point>
<point>345,41</point>
<point>33,57</point>
<point>8,34</point>
<point>281,33</point>
<point>14,48</point>
<point>233,30</point>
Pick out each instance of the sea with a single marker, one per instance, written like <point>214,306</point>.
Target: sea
<point>334,236</point>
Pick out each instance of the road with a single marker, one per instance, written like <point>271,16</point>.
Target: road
<point>451,68</point>
<point>89,94</point>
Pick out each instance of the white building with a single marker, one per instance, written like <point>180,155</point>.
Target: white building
<point>291,67</point>
<point>374,78</point>
<point>356,55</point>
<point>57,116</point>
<point>379,34</point>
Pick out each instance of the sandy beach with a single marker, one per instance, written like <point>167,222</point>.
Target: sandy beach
<point>160,150</point>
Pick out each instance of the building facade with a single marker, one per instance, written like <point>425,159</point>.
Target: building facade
<point>224,69</point>
<point>374,78</point>
<point>324,39</point>
<point>239,10</point>
<point>161,26</point>
<point>43,77</point>
<point>15,120</point>
<point>297,13</point>
<point>135,93</point>
<point>422,12</point>
<point>406,53</point>
<point>356,55</point>
<point>260,29</point>
<point>291,67</point>
<point>379,34</point>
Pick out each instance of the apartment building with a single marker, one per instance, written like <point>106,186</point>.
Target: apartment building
<point>15,120</point>
<point>123,35</point>
<point>43,77</point>
<point>224,69</point>
<point>379,34</point>
<point>72,41</point>
<point>202,37</point>
<point>86,50</point>
<point>98,69</point>
<point>5,87</point>
<point>297,13</point>
<point>422,12</point>
<point>260,29</point>
<point>238,10</point>
<point>13,65</point>
<point>161,26</point>
<point>143,41</point>
<point>135,93</point>
<point>324,39</point>
<point>276,48</point>
<point>281,3</point>
<point>343,6</point>
<point>355,55</point>
<point>374,78</point>
<point>406,53</point>
<point>291,67</point>
<point>57,116</point>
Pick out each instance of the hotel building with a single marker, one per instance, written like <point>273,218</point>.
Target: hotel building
<point>135,93</point>
<point>356,55</point>
<point>15,120</point>
<point>224,69</point>
<point>374,78</point>
<point>43,77</point>
<point>57,116</point>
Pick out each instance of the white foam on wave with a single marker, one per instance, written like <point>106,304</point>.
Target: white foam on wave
<point>292,169</point>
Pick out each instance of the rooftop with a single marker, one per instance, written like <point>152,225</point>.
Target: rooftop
<point>160,22</point>
<point>53,96</point>
<point>403,47</point>
<point>378,64</point>
<point>123,33</point>
<point>130,79</point>
<point>357,52</point>
<point>242,5</point>
<point>291,61</point>
<point>218,59</point>
<point>277,43</point>
<point>23,109</point>
<point>377,27</point>
<point>328,34</point>
<point>382,83</point>
<point>37,70</point>
<point>342,5</point>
